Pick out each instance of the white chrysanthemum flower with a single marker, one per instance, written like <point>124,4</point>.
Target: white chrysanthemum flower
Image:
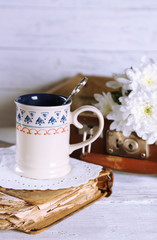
<point>144,76</point>
<point>122,80</point>
<point>105,102</point>
<point>137,113</point>
<point>135,78</point>
<point>114,84</point>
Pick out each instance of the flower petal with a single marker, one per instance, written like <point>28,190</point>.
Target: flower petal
<point>113,84</point>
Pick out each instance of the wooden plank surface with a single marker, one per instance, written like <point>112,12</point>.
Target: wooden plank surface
<point>78,29</point>
<point>81,4</point>
<point>130,213</point>
<point>44,41</point>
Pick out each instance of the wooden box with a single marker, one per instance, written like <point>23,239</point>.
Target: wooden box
<point>99,152</point>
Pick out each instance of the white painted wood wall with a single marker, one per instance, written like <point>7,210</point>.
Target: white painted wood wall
<point>44,41</point>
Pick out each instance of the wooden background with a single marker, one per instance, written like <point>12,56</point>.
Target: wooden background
<point>45,41</point>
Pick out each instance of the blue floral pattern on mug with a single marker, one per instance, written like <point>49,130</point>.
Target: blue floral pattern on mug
<point>39,119</point>
<point>27,119</point>
<point>45,114</point>
<point>57,113</point>
<point>52,120</point>
<point>32,113</point>
<point>63,119</point>
<point>22,112</point>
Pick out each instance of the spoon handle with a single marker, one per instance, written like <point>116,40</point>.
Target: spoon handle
<point>77,88</point>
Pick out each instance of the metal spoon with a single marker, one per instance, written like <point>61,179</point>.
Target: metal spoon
<point>77,89</point>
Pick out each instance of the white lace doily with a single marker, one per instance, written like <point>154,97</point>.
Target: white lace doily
<point>80,174</point>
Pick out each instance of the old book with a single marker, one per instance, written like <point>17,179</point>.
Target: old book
<point>35,210</point>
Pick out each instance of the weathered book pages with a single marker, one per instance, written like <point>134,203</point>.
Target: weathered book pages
<point>35,210</point>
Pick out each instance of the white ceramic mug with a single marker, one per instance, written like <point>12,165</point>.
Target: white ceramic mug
<point>42,135</point>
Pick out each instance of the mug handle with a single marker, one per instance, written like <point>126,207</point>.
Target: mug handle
<point>75,122</point>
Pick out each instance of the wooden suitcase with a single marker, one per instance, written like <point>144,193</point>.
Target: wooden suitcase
<point>111,149</point>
